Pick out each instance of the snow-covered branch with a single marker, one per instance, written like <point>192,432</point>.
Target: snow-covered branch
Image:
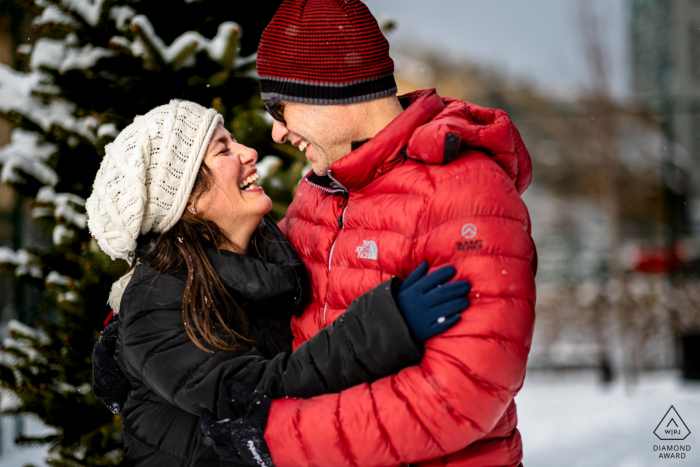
<point>181,53</point>
<point>63,210</point>
<point>121,15</point>
<point>22,343</point>
<point>28,154</point>
<point>68,14</point>
<point>19,329</point>
<point>55,278</point>
<point>16,98</point>
<point>24,262</point>
<point>107,130</point>
<point>53,16</point>
<point>61,56</point>
<point>92,11</point>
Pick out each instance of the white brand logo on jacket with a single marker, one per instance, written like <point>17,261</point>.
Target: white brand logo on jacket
<point>469,231</point>
<point>368,250</point>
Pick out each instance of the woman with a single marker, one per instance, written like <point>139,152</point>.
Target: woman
<point>214,283</point>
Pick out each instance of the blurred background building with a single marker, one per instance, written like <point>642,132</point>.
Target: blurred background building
<point>665,63</point>
<point>605,94</point>
<point>606,101</point>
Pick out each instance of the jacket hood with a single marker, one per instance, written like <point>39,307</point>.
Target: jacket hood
<point>436,130</point>
<point>462,126</point>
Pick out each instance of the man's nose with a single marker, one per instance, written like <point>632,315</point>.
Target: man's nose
<point>247,156</point>
<point>279,132</point>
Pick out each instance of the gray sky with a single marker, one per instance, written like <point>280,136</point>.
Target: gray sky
<point>535,40</point>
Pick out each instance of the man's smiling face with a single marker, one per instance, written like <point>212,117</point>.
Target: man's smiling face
<point>322,132</point>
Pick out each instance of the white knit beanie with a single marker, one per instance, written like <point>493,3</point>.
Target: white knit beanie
<point>147,175</point>
<point>146,178</point>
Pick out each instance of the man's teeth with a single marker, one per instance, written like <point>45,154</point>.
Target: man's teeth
<point>303,145</point>
<point>249,181</point>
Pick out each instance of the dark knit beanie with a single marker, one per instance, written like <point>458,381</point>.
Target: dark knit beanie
<point>324,52</point>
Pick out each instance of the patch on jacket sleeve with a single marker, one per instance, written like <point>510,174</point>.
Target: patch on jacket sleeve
<point>451,147</point>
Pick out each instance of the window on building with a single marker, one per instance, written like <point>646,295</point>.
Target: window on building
<point>695,128</point>
<point>694,51</point>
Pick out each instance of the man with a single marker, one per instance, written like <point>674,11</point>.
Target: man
<point>396,181</point>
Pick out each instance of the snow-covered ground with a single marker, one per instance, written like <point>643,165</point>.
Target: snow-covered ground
<point>565,420</point>
<point>575,421</point>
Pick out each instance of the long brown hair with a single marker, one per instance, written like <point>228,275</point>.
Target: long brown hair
<point>206,302</point>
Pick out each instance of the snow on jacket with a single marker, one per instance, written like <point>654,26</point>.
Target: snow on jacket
<point>441,183</point>
<point>172,380</point>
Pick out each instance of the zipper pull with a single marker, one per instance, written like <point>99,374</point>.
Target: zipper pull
<point>343,203</point>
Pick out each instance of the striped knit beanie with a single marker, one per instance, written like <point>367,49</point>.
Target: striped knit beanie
<point>324,52</point>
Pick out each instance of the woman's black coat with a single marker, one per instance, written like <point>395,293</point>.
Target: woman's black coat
<point>172,380</point>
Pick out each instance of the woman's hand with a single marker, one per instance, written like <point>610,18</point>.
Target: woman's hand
<point>241,440</point>
<point>430,306</point>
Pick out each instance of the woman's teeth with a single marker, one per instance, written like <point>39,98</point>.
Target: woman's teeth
<point>303,145</point>
<point>249,183</point>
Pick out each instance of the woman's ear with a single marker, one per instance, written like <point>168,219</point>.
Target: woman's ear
<point>192,209</point>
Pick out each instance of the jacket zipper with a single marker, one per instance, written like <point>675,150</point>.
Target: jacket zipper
<point>344,204</point>
<point>341,222</point>
<point>323,188</point>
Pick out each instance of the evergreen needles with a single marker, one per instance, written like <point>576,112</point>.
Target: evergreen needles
<point>98,64</point>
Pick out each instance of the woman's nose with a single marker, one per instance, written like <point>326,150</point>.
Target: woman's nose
<point>247,156</point>
<point>279,132</point>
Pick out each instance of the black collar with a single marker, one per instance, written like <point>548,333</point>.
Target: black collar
<point>326,184</point>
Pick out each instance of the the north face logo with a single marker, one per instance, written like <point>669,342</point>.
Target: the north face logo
<point>368,250</point>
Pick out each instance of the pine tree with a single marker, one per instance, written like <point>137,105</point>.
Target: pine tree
<point>98,64</point>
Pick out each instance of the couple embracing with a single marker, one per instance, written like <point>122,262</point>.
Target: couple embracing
<point>385,321</point>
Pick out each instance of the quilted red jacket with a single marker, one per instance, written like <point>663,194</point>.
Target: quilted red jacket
<point>441,184</point>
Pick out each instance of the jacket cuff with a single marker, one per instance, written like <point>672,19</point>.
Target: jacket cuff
<point>394,287</point>
<point>380,308</point>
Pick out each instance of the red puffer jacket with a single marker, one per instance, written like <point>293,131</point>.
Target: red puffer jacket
<point>452,197</point>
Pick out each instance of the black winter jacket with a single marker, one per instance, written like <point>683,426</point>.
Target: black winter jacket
<point>172,380</point>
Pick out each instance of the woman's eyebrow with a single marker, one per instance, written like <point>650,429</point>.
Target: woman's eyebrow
<point>221,139</point>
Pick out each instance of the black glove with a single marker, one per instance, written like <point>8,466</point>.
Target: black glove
<point>428,306</point>
<point>109,382</point>
<point>241,440</point>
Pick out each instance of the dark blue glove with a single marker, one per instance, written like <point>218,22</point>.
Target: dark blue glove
<point>428,306</point>
<point>242,440</point>
<point>109,382</point>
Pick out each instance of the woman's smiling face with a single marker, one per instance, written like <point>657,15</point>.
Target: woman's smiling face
<point>234,200</point>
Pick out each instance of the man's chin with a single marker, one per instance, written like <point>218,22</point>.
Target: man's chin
<point>319,170</point>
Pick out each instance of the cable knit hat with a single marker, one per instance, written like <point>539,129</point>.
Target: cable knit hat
<point>147,175</point>
<point>324,52</point>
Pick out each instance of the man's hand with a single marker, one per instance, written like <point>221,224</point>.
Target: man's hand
<point>240,440</point>
<point>109,382</point>
<point>430,306</point>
